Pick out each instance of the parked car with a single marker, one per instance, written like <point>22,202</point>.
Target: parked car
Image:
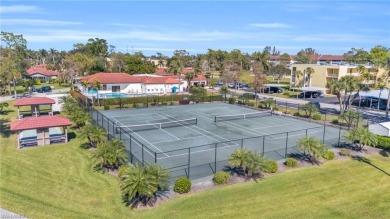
<point>44,89</point>
<point>219,83</point>
<point>272,90</point>
<point>317,104</point>
<point>311,94</point>
<point>238,85</point>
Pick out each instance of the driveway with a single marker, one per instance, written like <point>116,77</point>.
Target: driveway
<point>35,94</point>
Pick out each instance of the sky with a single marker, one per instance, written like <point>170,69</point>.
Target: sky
<point>330,27</point>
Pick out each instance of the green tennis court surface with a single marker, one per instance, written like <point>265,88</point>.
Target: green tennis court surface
<point>196,140</point>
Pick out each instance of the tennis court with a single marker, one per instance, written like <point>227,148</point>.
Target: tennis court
<point>196,140</point>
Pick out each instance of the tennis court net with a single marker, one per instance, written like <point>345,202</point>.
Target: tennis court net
<point>162,125</point>
<point>242,116</point>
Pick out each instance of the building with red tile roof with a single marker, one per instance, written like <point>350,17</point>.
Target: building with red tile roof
<point>41,71</point>
<point>39,123</point>
<point>34,102</point>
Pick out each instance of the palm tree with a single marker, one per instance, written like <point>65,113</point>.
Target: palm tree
<point>298,74</point>
<point>255,162</point>
<point>176,68</point>
<point>238,159</point>
<point>42,55</point>
<point>160,174</point>
<point>224,90</point>
<point>109,155</point>
<point>381,86</point>
<point>360,137</point>
<point>138,185</point>
<point>189,76</point>
<point>53,53</point>
<point>2,105</point>
<point>308,71</point>
<point>312,146</point>
<point>96,86</point>
<point>93,134</point>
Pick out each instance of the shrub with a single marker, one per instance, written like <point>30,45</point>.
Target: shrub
<point>122,169</point>
<point>291,162</point>
<point>383,142</point>
<point>335,121</point>
<point>272,167</point>
<point>296,114</point>
<point>251,103</point>
<point>317,117</point>
<point>172,103</point>
<point>240,102</point>
<point>232,100</point>
<point>275,108</point>
<point>286,93</point>
<point>221,178</point>
<point>329,155</point>
<point>182,185</point>
<point>106,107</point>
<point>345,152</point>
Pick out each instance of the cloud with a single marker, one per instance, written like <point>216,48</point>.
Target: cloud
<point>37,22</point>
<point>358,38</point>
<point>19,9</point>
<point>270,25</point>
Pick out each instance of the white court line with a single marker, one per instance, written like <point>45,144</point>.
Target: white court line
<point>166,132</point>
<point>217,148</point>
<point>158,142</point>
<point>292,123</point>
<point>234,125</point>
<point>142,138</point>
<point>198,131</point>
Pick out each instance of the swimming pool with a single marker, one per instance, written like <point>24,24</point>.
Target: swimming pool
<point>114,95</point>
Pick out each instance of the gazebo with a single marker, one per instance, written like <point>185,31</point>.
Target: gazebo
<point>43,130</point>
<point>34,102</point>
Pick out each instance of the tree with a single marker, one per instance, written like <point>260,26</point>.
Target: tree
<point>109,155</point>
<point>224,90</point>
<point>351,116</point>
<point>12,61</point>
<point>284,59</point>
<point>298,75</point>
<point>309,71</point>
<point>278,72</point>
<point>2,105</point>
<point>381,86</point>
<point>356,56</point>
<point>189,76</point>
<point>347,87</point>
<point>302,57</point>
<point>254,163</point>
<point>94,134</point>
<point>238,159</point>
<point>364,75</point>
<point>141,184</point>
<point>136,64</point>
<point>360,137</point>
<point>312,146</point>
<point>309,109</point>
<point>53,54</point>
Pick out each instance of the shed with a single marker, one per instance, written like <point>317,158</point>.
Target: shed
<point>382,129</point>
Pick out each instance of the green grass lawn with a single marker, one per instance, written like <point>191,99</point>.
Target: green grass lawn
<point>57,181</point>
<point>21,90</point>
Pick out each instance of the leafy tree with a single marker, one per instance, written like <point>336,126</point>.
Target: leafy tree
<point>136,64</point>
<point>268,103</point>
<point>189,76</point>
<point>278,72</point>
<point>224,90</point>
<point>302,57</point>
<point>109,155</point>
<point>312,146</point>
<point>2,105</point>
<point>12,61</point>
<point>309,109</point>
<point>94,134</point>
<point>284,59</point>
<point>360,137</point>
<point>357,56</point>
<point>351,116</point>
<point>365,76</point>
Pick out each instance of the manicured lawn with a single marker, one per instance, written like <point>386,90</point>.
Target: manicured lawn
<point>58,182</point>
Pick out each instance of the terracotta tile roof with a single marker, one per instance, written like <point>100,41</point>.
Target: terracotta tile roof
<point>111,78</point>
<point>39,122</point>
<point>41,69</point>
<point>27,101</point>
<point>199,78</point>
<point>158,80</point>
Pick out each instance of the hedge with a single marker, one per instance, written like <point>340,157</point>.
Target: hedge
<point>383,142</point>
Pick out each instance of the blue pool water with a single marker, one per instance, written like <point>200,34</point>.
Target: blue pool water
<point>114,95</point>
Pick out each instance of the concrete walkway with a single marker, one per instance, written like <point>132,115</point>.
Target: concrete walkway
<point>8,214</point>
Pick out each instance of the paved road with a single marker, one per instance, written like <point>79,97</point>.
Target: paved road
<point>8,214</point>
<point>7,98</point>
<point>326,106</point>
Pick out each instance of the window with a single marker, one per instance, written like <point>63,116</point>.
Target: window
<point>116,88</point>
<point>104,86</point>
<point>294,68</point>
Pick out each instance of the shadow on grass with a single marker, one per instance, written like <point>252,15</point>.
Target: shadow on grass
<point>137,201</point>
<point>305,158</point>
<point>368,161</point>
<point>385,153</point>
<point>71,135</point>
<point>4,128</point>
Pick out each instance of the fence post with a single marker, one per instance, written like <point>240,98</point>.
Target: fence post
<point>263,143</point>
<point>306,132</point>
<point>189,162</point>
<point>113,129</point>
<point>120,133</point>
<point>298,109</point>
<point>102,120</point>
<point>338,144</point>
<point>215,161</point>
<point>108,126</point>
<point>286,106</point>
<point>285,153</point>
<point>155,157</point>
<point>242,143</point>
<point>325,117</point>
<point>323,136</point>
<point>131,153</point>
<point>143,161</point>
